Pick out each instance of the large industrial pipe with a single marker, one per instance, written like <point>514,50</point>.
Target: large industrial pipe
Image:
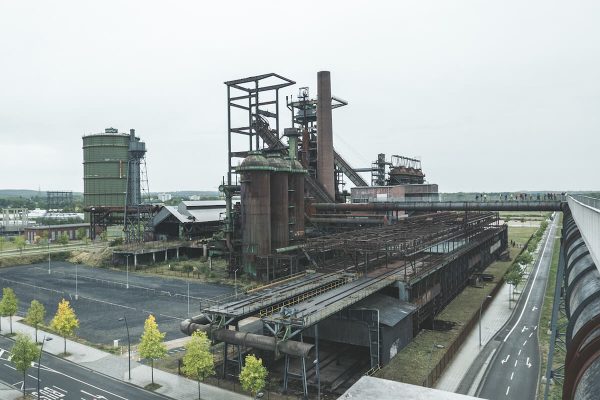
<point>446,206</point>
<point>245,339</point>
<point>325,134</point>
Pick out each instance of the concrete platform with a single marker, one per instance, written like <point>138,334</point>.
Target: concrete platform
<point>369,387</point>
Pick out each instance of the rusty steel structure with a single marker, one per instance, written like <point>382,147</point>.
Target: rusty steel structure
<point>428,258</point>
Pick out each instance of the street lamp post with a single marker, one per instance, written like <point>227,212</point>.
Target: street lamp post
<point>39,363</point>
<point>235,280</point>
<point>436,346</point>
<point>188,298</point>
<point>49,252</point>
<point>128,344</point>
<point>127,285</point>
<point>480,308</point>
<point>76,284</point>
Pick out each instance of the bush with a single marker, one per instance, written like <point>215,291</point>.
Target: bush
<point>116,242</point>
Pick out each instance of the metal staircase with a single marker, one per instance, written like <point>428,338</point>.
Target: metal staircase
<point>270,138</point>
<point>348,170</point>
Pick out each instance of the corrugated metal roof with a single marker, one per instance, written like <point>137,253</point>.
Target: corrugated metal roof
<point>189,215</point>
<point>391,310</point>
<point>203,203</point>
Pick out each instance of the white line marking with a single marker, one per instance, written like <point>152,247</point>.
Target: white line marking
<point>511,375</point>
<point>519,351</point>
<point>532,283</point>
<point>530,334</point>
<point>516,361</point>
<point>524,343</point>
<point>506,359</point>
<point>507,390</point>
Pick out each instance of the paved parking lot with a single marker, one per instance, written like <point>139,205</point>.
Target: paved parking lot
<point>103,298</point>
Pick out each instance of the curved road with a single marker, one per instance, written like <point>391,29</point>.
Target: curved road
<point>514,371</point>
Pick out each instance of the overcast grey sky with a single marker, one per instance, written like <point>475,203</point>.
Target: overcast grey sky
<point>492,95</point>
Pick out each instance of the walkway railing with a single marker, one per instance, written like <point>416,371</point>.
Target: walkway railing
<point>586,213</point>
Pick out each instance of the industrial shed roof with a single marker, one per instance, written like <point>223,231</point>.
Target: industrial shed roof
<point>391,310</point>
<point>186,216</point>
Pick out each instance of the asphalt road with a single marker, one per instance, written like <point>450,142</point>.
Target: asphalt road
<point>103,298</point>
<point>514,370</point>
<point>60,379</point>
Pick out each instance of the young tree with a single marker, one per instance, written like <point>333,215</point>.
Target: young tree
<point>9,304</point>
<point>65,321</point>
<point>198,362</point>
<point>23,353</point>
<point>63,239</point>
<point>514,276</point>
<point>151,343</point>
<point>20,243</point>
<point>254,375</point>
<point>188,268</point>
<point>35,315</point>
<point>82,234</point>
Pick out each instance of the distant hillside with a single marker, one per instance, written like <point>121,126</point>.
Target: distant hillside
<point>21,193</point>
<point>27,193</point>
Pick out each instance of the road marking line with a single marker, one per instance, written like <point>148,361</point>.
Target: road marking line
<point>530,334</point>
<point>524,343</point>
<point>532,283</point>
<point>506,359</point>
<point>59,389</point>
<point>511,375</point>
<point>524,328</point>
<point>519,351</point>
<point>507,390</point>
<point>516,361</point>
<point>10,366</point>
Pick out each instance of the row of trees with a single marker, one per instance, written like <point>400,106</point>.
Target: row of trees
<point>515,274</point>
<point>198,361</point>
<point>25,351</point>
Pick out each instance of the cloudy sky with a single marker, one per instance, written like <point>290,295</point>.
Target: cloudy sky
<point>492,95</point>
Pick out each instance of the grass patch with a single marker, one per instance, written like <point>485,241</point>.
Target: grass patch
<point>413,363</point>
<point>545,320</point>
<point>103,347</point>
<point>27,259</point>
<point>152,386</point>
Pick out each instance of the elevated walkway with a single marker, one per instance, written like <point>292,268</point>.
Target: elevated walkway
<point>532,205</point>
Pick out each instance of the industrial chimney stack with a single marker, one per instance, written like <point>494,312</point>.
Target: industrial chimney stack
<point>325,167</point>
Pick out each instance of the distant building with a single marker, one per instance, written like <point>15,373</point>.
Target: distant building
<point>54,231</point>
<point>164,196</point>
<point>189,219</point>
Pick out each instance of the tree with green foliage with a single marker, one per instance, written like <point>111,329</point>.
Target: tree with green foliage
<point>254,375</point>
<point>151,343</point>
<point>63,239</point>
<point>187,268</point>
<point>23,353</point>
<point>82,234</point>
<point>198,362</point>
<point>20,243</point>
<point>35,315</point>
<point>9,305</point>
<point>525,258</point>
<point>514,276</point>
<point>65,321</point>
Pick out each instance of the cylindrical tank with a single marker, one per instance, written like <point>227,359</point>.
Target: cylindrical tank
<point>105,158</point>
<point>280,230</point>
<point>256,209</point>
<point>296,183</point>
